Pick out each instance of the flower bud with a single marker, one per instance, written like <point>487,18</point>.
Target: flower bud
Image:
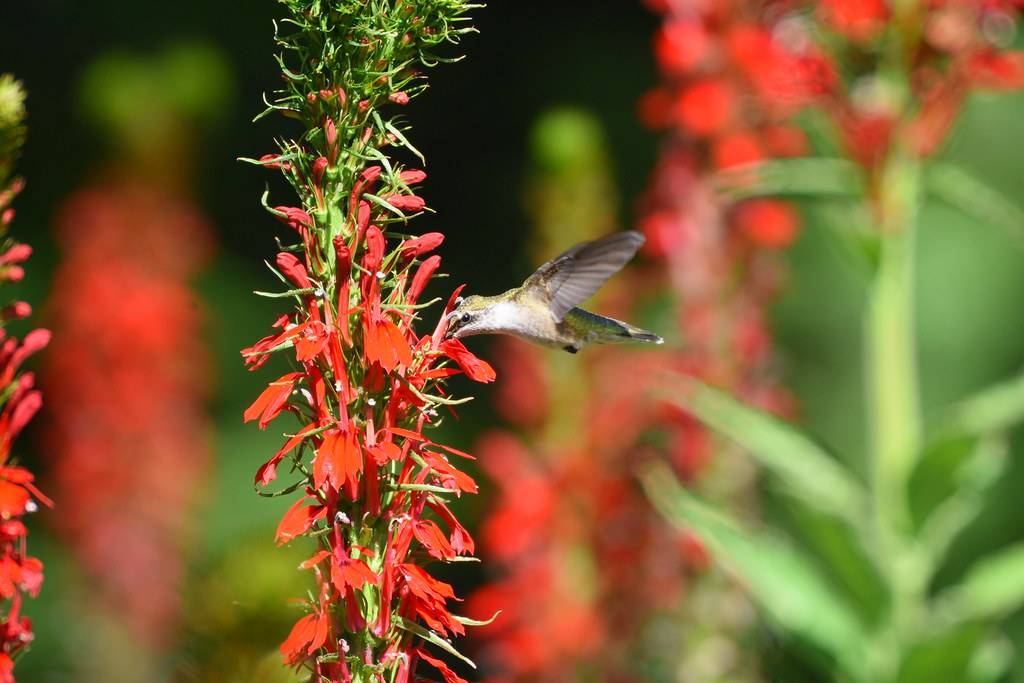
<point>421,245</point>
<point>293,269</point>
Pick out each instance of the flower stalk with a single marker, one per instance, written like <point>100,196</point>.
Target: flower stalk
<point>363,385</point>
<point>20,573</point>
<point>894,77</point>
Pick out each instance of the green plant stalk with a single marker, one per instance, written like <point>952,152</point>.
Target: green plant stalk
<point>893,398</point>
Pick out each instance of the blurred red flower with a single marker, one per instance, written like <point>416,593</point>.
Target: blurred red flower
<point>128,377</point>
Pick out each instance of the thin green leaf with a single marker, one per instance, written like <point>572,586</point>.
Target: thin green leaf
<point>466,621</point>
<point>431,637</point>
<point>958,188</point>
<point>814,177</point>
<point>783,582</point>
<point>945,656</point>
<point>284,295</point>
<point>992,588</point>
<point>382,202</point>
<point>405,142</point>
<point>805,468</point>
<point>972,481</point>
<point>841,553</point>
<point>992,410</point>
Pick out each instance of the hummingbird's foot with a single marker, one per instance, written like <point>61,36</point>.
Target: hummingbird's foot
<point>570,348</point>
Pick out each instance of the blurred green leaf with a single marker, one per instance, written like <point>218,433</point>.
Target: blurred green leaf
<point>992,410</point>
<point>958,188</point>
<point>839,552</point>
<point>431,637</point>
<point>992,588</point>
<point>803,467</point>
<point>965,481</point>
<point>817,177</point>
<point>942,657</point>
<point>992,659</point>
<point>935,478</point>
<point>783,582</point>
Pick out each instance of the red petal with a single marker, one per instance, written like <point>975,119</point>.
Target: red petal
<point>13,499</point>
<point>320,631</point>
<point>269,404</point>
<point>315,560</point>
<point>338,459</point>
<point>446,672</point>
<point>422,277</point>
<point>296,521</point>
<point>383,453</point>
<point>350,572</point>
<point>399,344</point>
<point>433,539</point>
<point>476,369</point>
<point>300,636</point>
<point>411,435</point>
<point>268,471</point>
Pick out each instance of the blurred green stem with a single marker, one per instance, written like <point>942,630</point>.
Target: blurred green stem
<point>893,392</point>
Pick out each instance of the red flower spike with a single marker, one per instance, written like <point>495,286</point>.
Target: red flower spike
<point>127,393</point>
<point>366,381</point>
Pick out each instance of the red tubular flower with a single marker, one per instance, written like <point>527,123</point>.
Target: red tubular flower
<point>20,573</point>
<point>127,430</point>
<point>365,384</point>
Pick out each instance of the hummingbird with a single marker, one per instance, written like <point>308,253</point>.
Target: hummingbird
<point>544,309</point>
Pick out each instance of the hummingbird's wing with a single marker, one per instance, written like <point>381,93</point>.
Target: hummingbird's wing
<point>571,278</point>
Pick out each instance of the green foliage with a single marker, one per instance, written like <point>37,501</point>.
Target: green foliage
<point>801,465</point>
<point>783,581</point>
<point>828,589</point>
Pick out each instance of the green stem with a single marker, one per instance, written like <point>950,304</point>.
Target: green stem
<point>894,397</point>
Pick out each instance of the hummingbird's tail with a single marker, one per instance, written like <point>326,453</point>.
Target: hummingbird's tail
<point>637,334</point>
<point>618,332</point>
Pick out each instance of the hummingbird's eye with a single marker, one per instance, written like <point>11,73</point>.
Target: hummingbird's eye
<point>464,318</point>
